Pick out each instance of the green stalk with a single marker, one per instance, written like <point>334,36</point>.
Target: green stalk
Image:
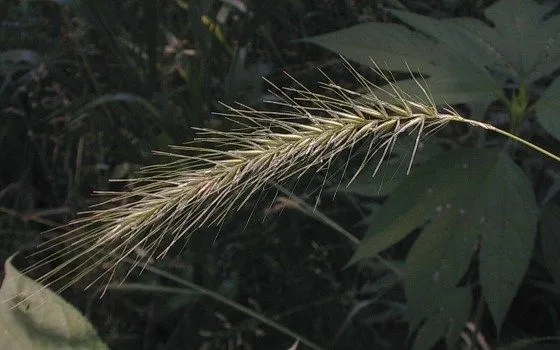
<point>220,298</point>
<point>509,135</point>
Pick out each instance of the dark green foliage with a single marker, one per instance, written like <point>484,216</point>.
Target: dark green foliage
<point>467,60</point>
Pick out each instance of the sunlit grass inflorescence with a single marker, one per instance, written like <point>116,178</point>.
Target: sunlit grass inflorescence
<point>221,170</point>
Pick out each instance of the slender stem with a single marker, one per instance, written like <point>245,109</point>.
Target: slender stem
<point>528,144</point>
<point>316,214</point>
<point>232,304</point>
<point>509,135</point>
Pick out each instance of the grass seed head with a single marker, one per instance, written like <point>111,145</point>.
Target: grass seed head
<point>202,184</point>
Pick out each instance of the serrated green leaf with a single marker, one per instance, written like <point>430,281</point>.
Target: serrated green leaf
<point>458,55</point>
<point>548,47</point>
<point>452,77</point>
<point>548,109</point>
<point>448,320</point>
<point>441,255</point>
<point>392,46</point>
<point>550,240</point>
<point>464,194</point>
<point>33,317</point>
<point>517,23</point>
<point>509,216</point>
<point>422,195</point>
<point>453,88</point>
<point>452,33</point>
<point>520,43</point>
<point>479,43</point>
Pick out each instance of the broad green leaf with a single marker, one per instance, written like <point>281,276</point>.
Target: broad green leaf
<point>509,217</point>
<point>457,312</point>
<point>392,171</point>
<point>517,23</point>
<point>520,43</point>
<point>458,197</point>
<point>453,78</point>
<point>553,190</point>
<point>391,46</point>
<point>423,194</point>
<point>33,317</point>
<point>462,75</point>
<point>469,40</point>
<point>550,240</point>
<point>479,43</point>
<point>460,42</point>
<point>549,49</point>
<point>441,255</point>
<point>548,109</point>
<point>463,59</point>
<point>454,88</point>
<point>447,320</point>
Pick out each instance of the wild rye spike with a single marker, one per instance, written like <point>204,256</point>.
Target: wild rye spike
<point>167,203</point>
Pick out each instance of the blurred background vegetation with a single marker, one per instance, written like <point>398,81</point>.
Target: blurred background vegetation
<point>89,88</point>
